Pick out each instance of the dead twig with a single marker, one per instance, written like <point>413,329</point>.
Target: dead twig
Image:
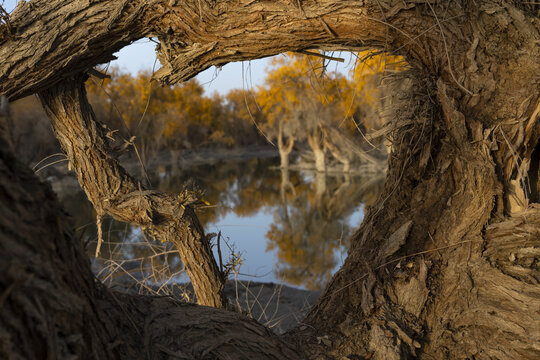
<point>310,53</point>
<point>219,252</point>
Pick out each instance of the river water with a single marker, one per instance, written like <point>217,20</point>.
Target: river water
<point>287,227</point>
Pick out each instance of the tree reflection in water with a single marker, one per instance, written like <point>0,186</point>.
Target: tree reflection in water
<point>311,221</point>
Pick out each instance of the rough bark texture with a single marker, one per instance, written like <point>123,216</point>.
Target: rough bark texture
<point>112,191</point>
<point>439,269</point>
<point>460,145</point>
<point>51,307</point>
<point>6,123</point>
<point>46,311</point>
<point>47,41</point>
<point>193,34</point>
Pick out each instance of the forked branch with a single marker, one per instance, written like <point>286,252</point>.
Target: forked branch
<point>112,191</point>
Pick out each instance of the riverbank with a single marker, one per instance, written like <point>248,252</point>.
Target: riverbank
<point>277,306</point>
<point>61,178</point>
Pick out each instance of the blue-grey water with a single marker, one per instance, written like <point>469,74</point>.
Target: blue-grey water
<point>287,227</point>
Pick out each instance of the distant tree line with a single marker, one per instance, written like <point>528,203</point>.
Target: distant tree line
<point>301,105</point>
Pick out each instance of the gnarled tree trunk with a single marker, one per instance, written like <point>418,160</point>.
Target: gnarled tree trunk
<point>445,263</point>
<point>112,191</point>
<point>419,279</point>
<point>51,306</point>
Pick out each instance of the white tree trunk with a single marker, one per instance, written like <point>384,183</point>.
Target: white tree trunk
<point>320,161</point>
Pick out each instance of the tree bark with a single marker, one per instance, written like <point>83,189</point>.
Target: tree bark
<point>51,307</point>
<point>112,191</point>
<point>439,268</point>
<point>193,35</point>
<point>6,123</point>
<point>418,280</point>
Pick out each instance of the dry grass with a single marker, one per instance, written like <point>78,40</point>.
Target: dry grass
<point>138,265</point>
<point>150,273</point>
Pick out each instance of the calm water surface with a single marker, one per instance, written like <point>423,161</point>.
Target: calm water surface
<point>288,227</point>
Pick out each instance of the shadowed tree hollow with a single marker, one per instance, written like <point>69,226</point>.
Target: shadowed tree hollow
<point>446,263</point>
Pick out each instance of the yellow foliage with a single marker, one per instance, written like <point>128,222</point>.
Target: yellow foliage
<point>151,111</point>
<point>300,83</point>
